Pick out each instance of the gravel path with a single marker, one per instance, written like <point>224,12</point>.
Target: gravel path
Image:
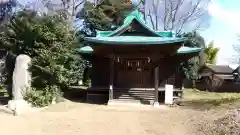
<point>69,118</point>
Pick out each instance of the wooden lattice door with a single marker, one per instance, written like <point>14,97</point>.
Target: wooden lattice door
<point>133,72</point>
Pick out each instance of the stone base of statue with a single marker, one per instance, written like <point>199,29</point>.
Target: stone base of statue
<point>156,105</point>
<point>19,106</point>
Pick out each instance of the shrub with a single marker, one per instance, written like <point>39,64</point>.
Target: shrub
<point>42,97</point>
<point>3,74</point>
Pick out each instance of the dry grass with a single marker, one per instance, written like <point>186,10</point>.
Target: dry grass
<point>210,100</point>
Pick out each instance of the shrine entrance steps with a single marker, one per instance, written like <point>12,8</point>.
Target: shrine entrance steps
<point>137,95</point>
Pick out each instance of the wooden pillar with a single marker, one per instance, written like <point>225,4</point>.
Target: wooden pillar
<point>156,85</point>
<point>111,77</point>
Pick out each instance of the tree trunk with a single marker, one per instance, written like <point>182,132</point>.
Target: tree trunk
<point>193,83</point>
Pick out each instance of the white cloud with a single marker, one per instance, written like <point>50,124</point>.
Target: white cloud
<point>230,17</point>
<point>224,28</point>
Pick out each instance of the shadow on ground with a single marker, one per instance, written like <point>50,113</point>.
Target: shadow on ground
<point>79,94</point>
<point>75,94</point>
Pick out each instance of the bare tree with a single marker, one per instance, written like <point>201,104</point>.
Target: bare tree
<point>177,15</point>
<point>67,8</point>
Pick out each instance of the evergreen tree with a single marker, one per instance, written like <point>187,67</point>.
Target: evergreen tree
<point>50,43</point>
<point>211,53</point>
<point>192,66</point>
<point>104,15</point>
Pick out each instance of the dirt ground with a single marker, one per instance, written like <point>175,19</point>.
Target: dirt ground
<point>71,118</point>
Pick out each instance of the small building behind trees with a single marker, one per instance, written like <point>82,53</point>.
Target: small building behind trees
<point>218,78</point>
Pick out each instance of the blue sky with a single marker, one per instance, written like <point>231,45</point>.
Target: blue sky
<point>225,25</point>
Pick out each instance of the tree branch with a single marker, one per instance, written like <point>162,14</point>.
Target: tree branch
<point>188,16</point>
<point>180,2</point>
<point>151,19</point>
<point>76,7</point>
<point>165,14</point>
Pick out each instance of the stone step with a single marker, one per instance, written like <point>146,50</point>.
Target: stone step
<point>125,95</point>
<point>133,94</point>
<point>140,95</point>
<point>134,101</point>
<point>131,97</point>
<point>126,92</point>
<point>134,91</point>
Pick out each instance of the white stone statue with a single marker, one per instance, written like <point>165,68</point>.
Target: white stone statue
<point>21,77</point>
<point>21,82</point>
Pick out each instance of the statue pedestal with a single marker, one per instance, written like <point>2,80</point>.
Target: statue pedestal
<point>19,106</point>
<point>156,105</point>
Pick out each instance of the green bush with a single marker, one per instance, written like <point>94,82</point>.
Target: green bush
<point>43,97</point>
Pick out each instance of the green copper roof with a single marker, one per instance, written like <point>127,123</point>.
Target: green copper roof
<point>185,49</point>
<point>103,33</point>
<point>165,33</point>
<point>182,50</point>
<point>134,40</point>
<point>114,37</point>
<point>156,38</point>
<point>160,33</point>
<point>138,16</point>
<point>86,49</point>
